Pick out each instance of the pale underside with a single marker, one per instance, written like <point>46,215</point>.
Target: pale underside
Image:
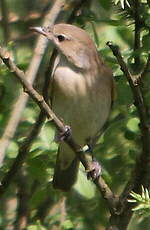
<point>81,100</point>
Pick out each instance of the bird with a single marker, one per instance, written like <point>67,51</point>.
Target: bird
<point>82,93</point>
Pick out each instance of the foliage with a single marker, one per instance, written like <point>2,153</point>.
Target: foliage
<point>117,148</point>
<point>122,2</point>
<point>142,202</point>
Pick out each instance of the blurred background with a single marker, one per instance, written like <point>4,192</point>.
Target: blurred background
<point>30,202</point>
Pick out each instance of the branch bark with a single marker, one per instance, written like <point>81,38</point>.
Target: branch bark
<point>25,147</point>
<point>22,202</point>
<point>140,174</point>
<point>99,182</point>
<point>136,31</point>
<point>30,75</point>
<point>146,68</point>
<point>5,23</point>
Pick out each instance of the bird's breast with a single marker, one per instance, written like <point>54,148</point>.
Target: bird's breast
<point>69,82</point>
<point>80,101</point>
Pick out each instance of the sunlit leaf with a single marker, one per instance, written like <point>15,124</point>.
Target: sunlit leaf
<point>84,187</point>
<point>67,224</point>
<point>133,124</point>
<point>105,4</point>
<point>37,226</point>
<point>12,150</point>
<point>122,2</point>
<point>143,202</point>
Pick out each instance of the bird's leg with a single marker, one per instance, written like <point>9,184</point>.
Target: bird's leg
<point>96,169</point>
<point>61,136</point>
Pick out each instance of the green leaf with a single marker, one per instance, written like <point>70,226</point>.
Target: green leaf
<point>147,21</point>
<point>67,224</point>
<point>146,42</point>
<point>37,226</point>
<point>47,135</point>
<point>37,197</point>
<point>38,169</point>
<point>132,201</point>
<point>96,38</point>
<point>122,2</point>
<point>106,4</point>
<point>116,2</point>
<point>111,22</point>
<point>147,196</point>
<point>84,187</point>
<point>129,135</point>
<point>12,150</point>
<point>29,114</point>
<point>133,124</point>
<point>143,202</point>
<point>124,95</point>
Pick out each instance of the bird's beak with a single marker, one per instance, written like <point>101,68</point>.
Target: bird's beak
<point>40,30</point>
<point>46,31</point>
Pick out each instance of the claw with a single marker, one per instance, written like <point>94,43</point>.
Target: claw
<point>95,172</point>
<point>63,135</point>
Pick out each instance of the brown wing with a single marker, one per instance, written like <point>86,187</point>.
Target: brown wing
<point>52,86</point>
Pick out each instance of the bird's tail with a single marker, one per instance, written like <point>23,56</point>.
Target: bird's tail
<point>66,168</point>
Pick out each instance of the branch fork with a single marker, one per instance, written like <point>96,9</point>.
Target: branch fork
<point>45,108</point>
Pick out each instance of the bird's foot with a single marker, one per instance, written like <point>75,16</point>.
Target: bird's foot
<point>95,171</point>
<point>95,168</point>
<point>61,136</point>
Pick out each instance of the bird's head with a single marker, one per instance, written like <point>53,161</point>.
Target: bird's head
<point>73,42</point>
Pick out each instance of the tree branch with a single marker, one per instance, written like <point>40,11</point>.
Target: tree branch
<point>24,148</point>
<point>148,2</point>
<point>44,208</point>
<point>99,182</point>
<point>136,31</point>
<point>134,84</point>
<point>22,203</point>
<point>5,22</point>
<point>30,75</point>
<point>77,5</point>
<point>146,68</point>
<point>107,194</point>
<point>21,155</point>
<point>140,174</point>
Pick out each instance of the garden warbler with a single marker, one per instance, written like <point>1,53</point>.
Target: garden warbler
<point>82,92</point>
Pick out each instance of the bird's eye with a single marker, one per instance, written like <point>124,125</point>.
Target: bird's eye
<point>61,38</point>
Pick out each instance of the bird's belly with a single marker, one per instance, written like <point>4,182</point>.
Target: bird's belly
<point>79,105</point>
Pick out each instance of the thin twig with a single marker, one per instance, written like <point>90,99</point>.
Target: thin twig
<point>138,97</point>
<point>63,214</point>
<point>108,195</point>
<point>37,98</point>
<point>77,5</point>
<point>136,31</point>
<point>148,2</point>
<point>30,75</point>
<point>22,202</point>
<point>140,174</point>
<point>146,68</point>
<point>30,17</point>
<point>102,186</point>
<point>24,148</point>
<point>44,208</point>
<point>5,23</point>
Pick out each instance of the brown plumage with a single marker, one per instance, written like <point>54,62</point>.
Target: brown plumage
<point>82,92</point>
